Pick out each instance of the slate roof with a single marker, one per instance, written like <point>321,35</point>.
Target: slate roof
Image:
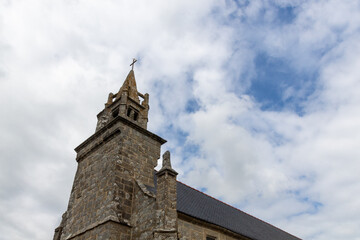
<point>196,204</point>
<point>201,206</point>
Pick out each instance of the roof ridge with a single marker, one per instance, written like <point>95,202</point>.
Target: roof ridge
<point>234,208</point>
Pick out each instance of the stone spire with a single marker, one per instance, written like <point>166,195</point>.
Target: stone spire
<point>129,85</point>
<point>127,103</point>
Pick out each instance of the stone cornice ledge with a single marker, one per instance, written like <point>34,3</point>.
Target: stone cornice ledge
<point>160,230</point>
<point>94,225</point>
<point>169,170</point>
<point>104,139</point>
<point>143,188</point>
<point>113,122</point>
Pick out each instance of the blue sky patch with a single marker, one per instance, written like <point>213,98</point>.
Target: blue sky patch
<point>277,86</point>
<point>192,106</point>
<point>286,14</point>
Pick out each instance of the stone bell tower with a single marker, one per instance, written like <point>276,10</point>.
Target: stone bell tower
<point>113,194</point>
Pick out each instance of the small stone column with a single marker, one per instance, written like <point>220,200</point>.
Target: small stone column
<point>123,102</point>
<point>166,214</point>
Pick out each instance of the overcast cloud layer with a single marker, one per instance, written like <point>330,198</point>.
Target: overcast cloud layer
<point>259,102</point>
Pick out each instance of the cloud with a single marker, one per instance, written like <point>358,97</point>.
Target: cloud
<point>306,163</point>
<point>55,58</point>
<point>295,169</point>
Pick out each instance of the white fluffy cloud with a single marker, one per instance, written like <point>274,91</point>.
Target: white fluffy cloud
<point>59,60</point>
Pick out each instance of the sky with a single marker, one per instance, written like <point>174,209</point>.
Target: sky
<point>258,100</point>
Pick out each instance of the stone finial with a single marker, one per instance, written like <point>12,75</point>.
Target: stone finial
<point>110,99</point>
<point>166,163</point>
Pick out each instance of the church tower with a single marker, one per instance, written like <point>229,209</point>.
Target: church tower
<point>113,194</point>
<point>117,194</point>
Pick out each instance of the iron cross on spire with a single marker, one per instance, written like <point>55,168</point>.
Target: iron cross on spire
<point>133,63</point>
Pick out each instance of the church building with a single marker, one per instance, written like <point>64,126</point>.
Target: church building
<point>118,195</point>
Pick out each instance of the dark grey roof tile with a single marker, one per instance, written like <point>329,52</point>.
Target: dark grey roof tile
<point>201,206</point>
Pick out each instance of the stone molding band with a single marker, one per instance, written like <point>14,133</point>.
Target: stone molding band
<point>94,225</point>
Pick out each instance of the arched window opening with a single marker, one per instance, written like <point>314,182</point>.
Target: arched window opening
<point>115,113</point>
<point>136,115</point>
<point>128,112</point>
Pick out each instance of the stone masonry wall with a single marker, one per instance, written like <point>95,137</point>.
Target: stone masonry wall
<point>143,218</point>
<point>139,153</point>
<point>196,230</point>
<point>93,195</point>
<point>166,214</point>
<point>107,231</point>
<point>108,164</point>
